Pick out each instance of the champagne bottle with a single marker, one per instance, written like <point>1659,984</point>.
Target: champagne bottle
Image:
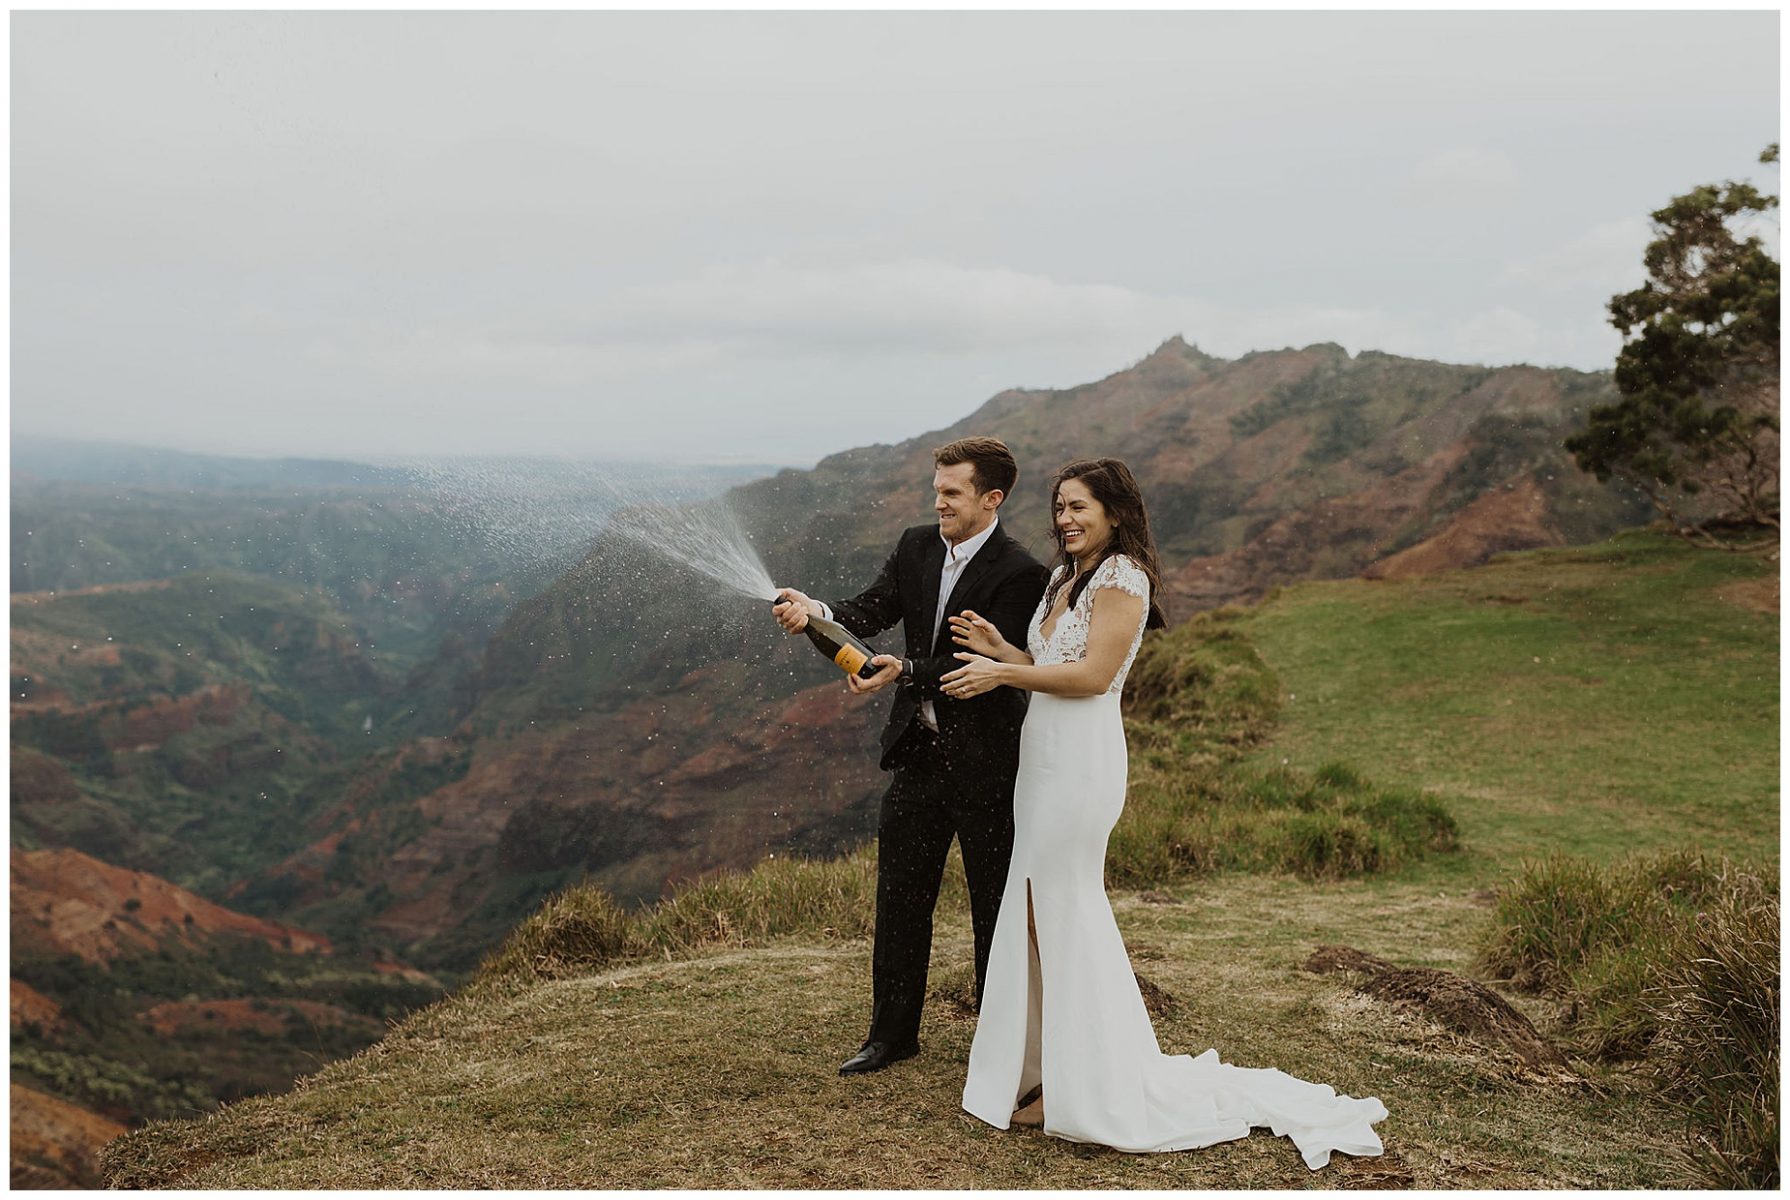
<point>832,639</point>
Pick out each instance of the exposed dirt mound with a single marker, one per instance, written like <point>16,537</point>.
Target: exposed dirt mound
<point>1465,1006</point>
<point>56,1144</point>
<point>1160,1002</point>
<point>64,902</point>
<point>1388,1172</point>
<point>1345,958</point>
<point>1499,520</point>
<point>274,1018</point>
<point>1461,1005</point>
<point>1760,595</point>
<point>955,989</point>
<point>32,1007</point>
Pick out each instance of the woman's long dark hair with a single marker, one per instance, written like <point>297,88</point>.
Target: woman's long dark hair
<point>1111,482</point>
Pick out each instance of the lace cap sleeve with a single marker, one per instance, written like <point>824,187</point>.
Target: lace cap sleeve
<point>1121,572</point>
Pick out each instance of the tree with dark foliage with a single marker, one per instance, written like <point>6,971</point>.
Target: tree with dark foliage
<point>1696,428</point>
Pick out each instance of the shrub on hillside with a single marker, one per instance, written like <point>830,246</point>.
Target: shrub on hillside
<point>1331,824</point>
<point>112,1088</point>
<point>1597,935</point>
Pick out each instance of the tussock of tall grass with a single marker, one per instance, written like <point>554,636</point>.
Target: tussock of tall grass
<point>1719,1036</point>
<point>1595,934</point>
<point>1673,957</point>
<point>1199,693</point>
<point>1331,824</point>
<point>583,929</point>
<point>578,930</point>
<point>781,896</point>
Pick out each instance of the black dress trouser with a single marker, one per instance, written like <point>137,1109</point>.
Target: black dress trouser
<point>931,799</point>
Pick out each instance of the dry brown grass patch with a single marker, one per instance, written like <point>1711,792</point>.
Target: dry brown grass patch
<point>1757,595</point>
<point>719,1071</point>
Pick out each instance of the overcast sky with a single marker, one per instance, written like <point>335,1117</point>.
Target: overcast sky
<point>747,237</point>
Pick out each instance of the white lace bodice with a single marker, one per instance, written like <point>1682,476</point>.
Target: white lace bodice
<point>1068,641</point>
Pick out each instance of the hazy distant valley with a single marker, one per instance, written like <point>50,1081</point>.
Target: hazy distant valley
<point>205,653</point>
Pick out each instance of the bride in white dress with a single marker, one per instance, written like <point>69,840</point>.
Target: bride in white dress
<point>1063,1039</point>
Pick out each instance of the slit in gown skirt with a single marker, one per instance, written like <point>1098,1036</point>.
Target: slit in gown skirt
<point>1072,1019</point>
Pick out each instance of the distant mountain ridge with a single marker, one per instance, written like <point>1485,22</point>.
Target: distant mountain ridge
<point>655,727</point>
<point>74,460</point>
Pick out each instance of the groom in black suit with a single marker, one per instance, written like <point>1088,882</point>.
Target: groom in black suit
<point>952,762</point>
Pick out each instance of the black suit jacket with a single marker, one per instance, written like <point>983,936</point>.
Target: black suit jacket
<point>1002,583</point>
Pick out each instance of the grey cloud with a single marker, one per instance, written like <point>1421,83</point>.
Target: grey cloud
<point>607,232</point>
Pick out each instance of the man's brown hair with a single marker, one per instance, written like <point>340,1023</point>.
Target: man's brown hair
<point>992,465</point>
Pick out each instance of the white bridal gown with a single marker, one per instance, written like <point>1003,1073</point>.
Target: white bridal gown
<point>1071,1018</point>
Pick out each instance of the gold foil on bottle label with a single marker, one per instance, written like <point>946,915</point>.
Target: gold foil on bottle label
<point>851,659</point>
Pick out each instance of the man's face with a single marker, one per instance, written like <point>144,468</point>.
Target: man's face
<point>963,511</point>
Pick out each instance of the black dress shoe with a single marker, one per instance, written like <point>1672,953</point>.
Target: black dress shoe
<point>877,1055</point>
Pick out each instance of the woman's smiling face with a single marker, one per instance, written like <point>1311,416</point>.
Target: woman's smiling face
<point>1082,523</point>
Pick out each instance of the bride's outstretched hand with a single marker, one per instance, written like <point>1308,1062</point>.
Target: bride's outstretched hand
<point>976,634</point>
<point>977,675</point>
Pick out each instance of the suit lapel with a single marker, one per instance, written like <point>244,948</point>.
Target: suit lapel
<point>974,570</point>
<point>932,561</point>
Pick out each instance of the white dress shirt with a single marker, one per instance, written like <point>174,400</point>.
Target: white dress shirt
<point>956,559</point>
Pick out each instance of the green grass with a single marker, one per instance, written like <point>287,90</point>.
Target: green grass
<point>1199,698</point>
<point>1327,825</point>
<point>1591,700</point>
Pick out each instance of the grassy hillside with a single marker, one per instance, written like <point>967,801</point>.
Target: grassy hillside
<point>718,1071</point>
<point>712,1064</point>
<point>1597,699</point>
